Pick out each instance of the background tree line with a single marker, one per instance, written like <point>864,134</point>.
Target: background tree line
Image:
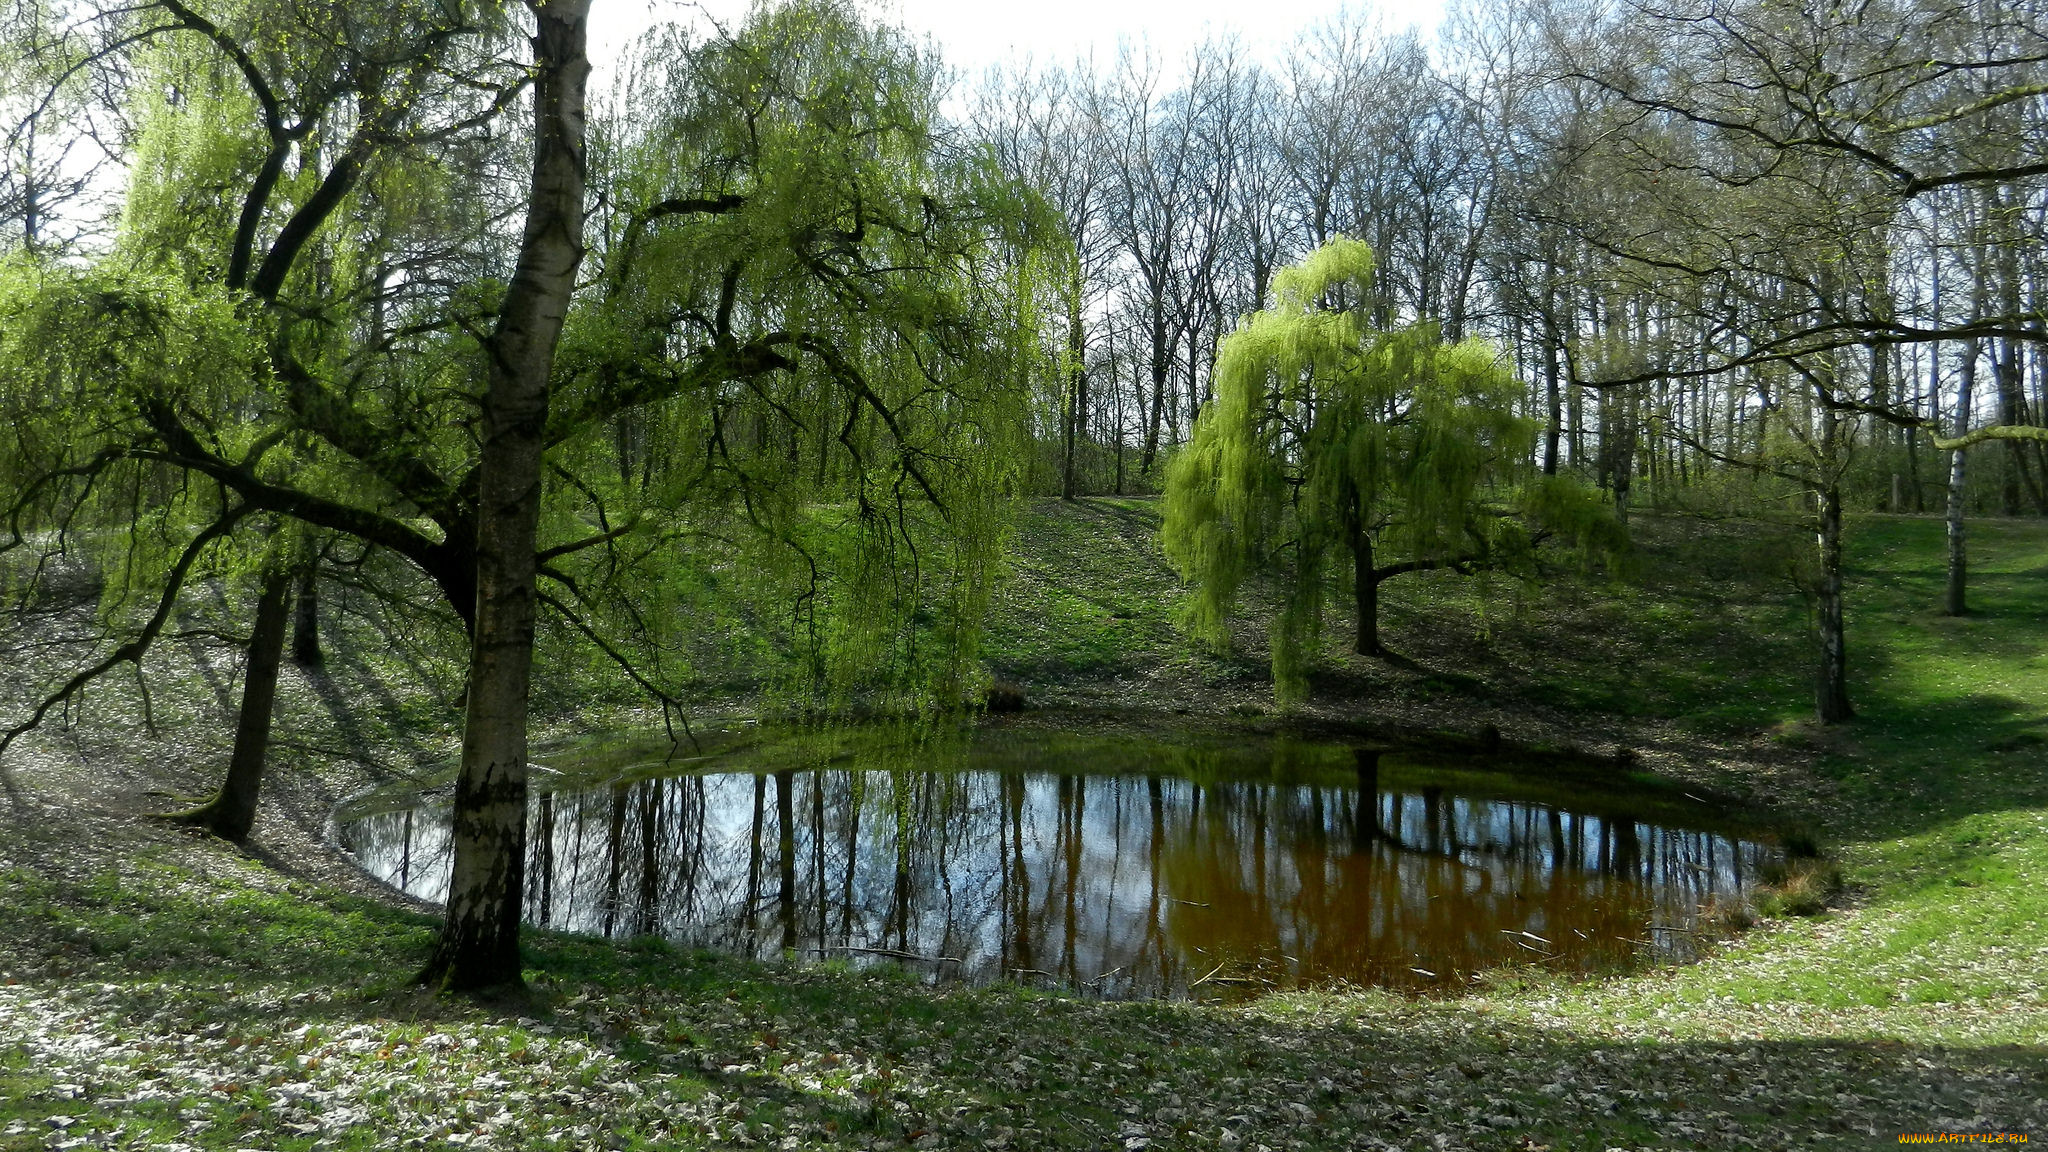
<point>1667,215</point>
<point>1757,258</point>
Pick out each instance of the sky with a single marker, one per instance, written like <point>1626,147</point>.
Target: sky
<point>975,34</point>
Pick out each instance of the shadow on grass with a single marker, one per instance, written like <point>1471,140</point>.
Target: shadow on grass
<point>1326,1071</point>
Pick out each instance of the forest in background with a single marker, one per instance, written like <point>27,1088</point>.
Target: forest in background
<point>1694,229</point>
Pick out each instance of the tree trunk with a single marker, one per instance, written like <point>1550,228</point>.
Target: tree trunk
<point>615,859</point>
<point>1954,599</point>
<point>1365,591</point>
<point>232,812</point>
<point>1553,406</point>
<point>648,919</point>
<point>479,944</point>
<point>1832,695</point>
<point>1624,432</point>
<point>1365,825</point>
<point>1077,390</point>
<point>306,615</point>
<point>1913,471</point>
<point>1161,362</point>
<point>2006,371</point>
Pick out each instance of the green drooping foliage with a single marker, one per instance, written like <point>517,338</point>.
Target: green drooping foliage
<point>790,400</point>
<point>178,393</point>
<point>82,352</point>
<point>833,310</point>
<point>1329,440</point>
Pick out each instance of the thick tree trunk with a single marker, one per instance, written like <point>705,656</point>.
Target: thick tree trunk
<point>1365,825</point>
<point>232,812</point>
<point>1832,694</point>
<point>479,945</point>
<point>1955,597</point>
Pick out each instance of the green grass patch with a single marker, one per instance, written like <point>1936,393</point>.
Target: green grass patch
<point>163,990</point>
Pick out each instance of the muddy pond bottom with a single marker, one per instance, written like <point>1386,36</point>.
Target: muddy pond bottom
<point>1115,866</point>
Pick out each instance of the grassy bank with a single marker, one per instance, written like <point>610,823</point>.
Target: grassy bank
<point>160,991</point>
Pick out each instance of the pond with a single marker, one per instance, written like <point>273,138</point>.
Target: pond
<point>1114,865</point>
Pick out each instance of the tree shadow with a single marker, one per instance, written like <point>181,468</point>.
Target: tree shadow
<point>964,1064</point>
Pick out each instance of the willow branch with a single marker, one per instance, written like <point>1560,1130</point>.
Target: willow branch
<point>133,651</point>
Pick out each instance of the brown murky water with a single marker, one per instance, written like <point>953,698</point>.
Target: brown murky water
<point>1116,866</point>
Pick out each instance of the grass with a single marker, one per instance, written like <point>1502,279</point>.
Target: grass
<point>646,1046</point>
<point>160,991</point>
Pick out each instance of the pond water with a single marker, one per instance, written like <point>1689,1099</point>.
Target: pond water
<point>1113,865</point>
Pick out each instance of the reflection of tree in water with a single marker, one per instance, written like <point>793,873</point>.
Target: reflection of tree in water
<point>1125,883</point>
<point>1425,881</point>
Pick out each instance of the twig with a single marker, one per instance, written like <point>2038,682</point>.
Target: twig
<point>899,955</point>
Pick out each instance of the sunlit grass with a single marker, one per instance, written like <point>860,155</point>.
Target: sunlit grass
<point>207,994</point>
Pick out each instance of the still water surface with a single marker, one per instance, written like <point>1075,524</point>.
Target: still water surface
<point>1117,866</point>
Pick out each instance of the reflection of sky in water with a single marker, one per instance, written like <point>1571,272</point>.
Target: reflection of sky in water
<point>1129,885</point>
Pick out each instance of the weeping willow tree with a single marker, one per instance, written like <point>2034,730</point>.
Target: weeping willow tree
<point>1329,441</point>
<point>798,351</point>
<point>176,393</point>
<point>804,372</point>
<point>802,354</point>
<point>80,351</point>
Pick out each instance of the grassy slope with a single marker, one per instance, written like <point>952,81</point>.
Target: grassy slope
<point>164,991</point>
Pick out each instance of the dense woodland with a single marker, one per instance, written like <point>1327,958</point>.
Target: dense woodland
<point>1689,228</point>
<point>751,356</point>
